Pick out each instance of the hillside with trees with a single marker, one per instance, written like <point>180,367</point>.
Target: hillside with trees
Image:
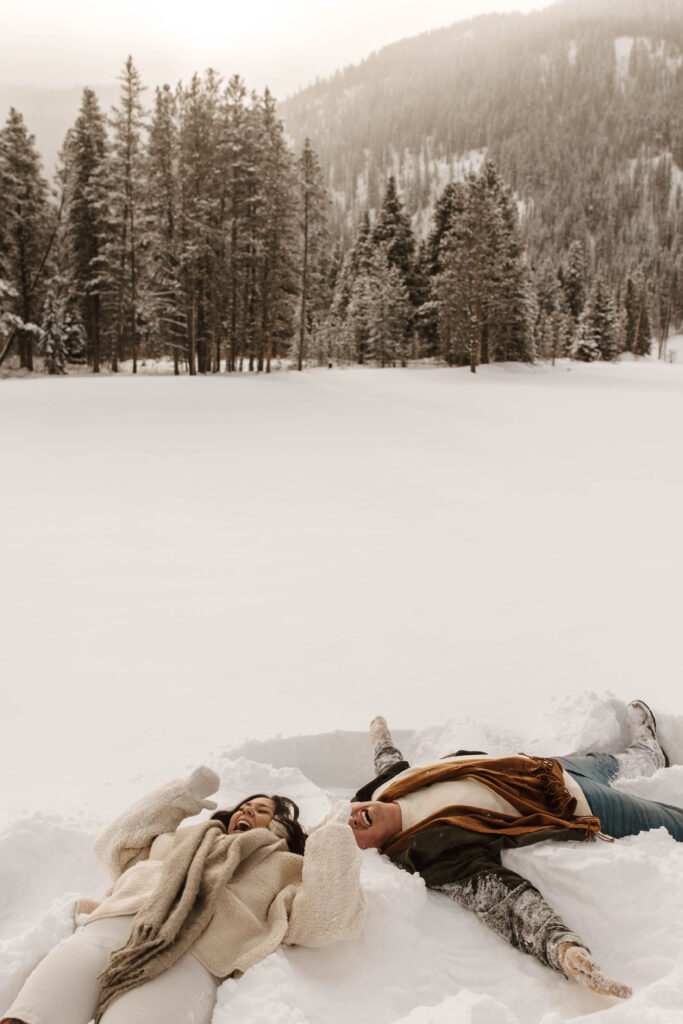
<point>580,108</point>
<point>508,188</point>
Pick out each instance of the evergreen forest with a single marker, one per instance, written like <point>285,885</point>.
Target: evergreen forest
<point>508,188</point>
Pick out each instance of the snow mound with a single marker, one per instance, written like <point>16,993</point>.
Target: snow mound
<point>420,959</point>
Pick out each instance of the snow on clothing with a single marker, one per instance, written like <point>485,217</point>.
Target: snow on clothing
<point>466,864</point>
<point>271,895</point>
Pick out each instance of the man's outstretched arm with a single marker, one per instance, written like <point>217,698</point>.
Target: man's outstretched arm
<point>521,915</point>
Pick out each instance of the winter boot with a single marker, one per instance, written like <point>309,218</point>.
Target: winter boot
<point>644,755</point>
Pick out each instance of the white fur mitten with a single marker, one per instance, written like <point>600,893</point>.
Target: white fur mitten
<point>201,783</point>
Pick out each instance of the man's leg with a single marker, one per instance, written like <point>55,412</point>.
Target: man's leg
<point>620,813</point>
<point>643,756</point>
<point>385,752</point>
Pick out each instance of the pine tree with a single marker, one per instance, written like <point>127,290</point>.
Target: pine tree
<point>279,238</point>
<point>162,212</point>
<point>393,231</point>
<point>75,342</point>
<point>52,341</point>
<point>86,193</point>
<point>388,311</point>
<point>313,220</point>
<point>482,288</point>
<point>642,344</point>
<point>573,279</point>
<point>237,167</point>
<point>197,213</point>
<point>28,231</point>
<point>586,348</point>
<point>126,185</point>
<point>509,300</point>
<point>637,332</point>
<point>597,333</point>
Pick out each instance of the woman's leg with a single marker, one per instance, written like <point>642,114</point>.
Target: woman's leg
<point>184,994</point>
<point>63,988</point>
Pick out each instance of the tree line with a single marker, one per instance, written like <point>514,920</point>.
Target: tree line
<point>467,294</point>
<point>190,231</point>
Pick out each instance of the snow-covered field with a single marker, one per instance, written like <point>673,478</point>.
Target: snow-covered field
<point>243,571</point>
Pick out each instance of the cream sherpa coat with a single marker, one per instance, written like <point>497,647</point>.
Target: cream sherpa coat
<point>275,896</point>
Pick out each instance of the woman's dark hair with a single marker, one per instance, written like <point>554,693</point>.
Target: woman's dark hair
<point>286,812</point>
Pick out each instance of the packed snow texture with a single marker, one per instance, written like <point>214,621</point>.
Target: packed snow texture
<point>421,959</point>
<point>244,571</point>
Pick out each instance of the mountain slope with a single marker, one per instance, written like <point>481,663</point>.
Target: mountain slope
<point>579,105</point>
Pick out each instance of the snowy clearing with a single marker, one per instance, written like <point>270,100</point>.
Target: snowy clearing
<point>194,567</point>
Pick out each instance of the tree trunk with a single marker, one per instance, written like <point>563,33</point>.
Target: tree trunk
<point>304,289</point>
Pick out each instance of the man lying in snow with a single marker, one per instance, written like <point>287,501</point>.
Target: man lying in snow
<point>449,821</point>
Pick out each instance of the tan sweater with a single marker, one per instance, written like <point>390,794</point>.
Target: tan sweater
<point>275,896</point>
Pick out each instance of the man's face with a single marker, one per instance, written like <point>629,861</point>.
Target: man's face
<point>374,822</point>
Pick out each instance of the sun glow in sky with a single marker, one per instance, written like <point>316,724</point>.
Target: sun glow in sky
<point>282,43</point>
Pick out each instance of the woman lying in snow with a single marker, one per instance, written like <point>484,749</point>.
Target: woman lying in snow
<point>191,906</point>
<point>449,821</point>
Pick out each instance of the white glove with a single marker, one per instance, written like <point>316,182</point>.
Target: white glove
<point>201,783</point>
<point>578,963</point>
<point>340,812</point>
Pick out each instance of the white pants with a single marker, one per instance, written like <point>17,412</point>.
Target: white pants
<point>63,989</point>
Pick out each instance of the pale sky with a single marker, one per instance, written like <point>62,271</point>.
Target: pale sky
<point>284,44</point>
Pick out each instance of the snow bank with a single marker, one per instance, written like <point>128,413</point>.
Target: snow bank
<point>421,959</point>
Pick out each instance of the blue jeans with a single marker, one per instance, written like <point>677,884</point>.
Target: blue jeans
<point>620,813</point>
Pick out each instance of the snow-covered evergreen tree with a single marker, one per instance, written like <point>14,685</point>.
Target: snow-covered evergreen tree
<point>393,231</point>
<point>599,320</point>
<point>313,227</point>
<point>85,217</point>
<point>27,232</point>
<point>162,213</point>
<point>481,285</point>
<point>75,341</point>
<point>637,331</point>
<point>573,279</point>
<point>389,311</point>
<point>53,344</point>
<point>124,247</point>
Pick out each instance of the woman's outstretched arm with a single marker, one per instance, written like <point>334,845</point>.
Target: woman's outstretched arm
<point>129,837</point>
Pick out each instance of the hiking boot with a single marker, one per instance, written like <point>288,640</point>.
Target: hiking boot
<point>644,725</point>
